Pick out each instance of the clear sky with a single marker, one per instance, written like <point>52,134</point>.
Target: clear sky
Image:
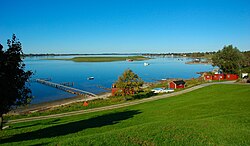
<point>125,26</point>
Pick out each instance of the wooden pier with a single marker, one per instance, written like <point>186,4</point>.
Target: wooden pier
<point>67,83</point>
<point>65,88</point>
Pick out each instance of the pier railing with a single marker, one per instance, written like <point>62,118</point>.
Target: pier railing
<point>65,88</point>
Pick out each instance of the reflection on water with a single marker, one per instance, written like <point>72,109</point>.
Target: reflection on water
<point>104,73</point>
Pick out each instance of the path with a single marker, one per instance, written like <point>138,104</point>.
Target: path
<point>115,106</point>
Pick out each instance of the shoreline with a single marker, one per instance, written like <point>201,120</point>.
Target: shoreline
<point>55,103</point>
<point>194,62</point>
<point>102,59</point>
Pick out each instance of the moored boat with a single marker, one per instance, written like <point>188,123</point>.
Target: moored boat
<point>90,78</point>
<point>146,64</point>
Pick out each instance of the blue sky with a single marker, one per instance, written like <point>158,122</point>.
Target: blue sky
<point>125,26</point>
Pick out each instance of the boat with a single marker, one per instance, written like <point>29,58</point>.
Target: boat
<point>162,90</point>
<point>90,78</point>
<point>146,64</point>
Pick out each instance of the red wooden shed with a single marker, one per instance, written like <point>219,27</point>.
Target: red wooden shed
<point>114,89</point>
<point>177,84</point>
<point>232,77</point>
<point>208,77</point>
<point>218,77</point>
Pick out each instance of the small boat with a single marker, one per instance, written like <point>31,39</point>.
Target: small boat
<point>90,78</point>
<point>162,90</point>
<point>146,64</point>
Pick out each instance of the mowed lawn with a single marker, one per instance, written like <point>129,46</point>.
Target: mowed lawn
<point>213,115</point>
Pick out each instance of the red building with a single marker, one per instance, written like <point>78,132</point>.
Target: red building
<point>232,77</point>
<point>176,84</point>
<point>114,90</point>
<point>221,77</point>
<point>218,77</point>
<point>208,77</point>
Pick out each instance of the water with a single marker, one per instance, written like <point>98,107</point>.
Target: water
<point>105,73</point>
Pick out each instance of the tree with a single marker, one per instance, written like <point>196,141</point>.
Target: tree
<point>129,82</point>
<point>13,87</point>
<point>246,66</point>
<point>246,58</point>
<point>229,59</point>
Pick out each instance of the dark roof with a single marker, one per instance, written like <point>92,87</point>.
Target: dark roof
<point>179,82</point>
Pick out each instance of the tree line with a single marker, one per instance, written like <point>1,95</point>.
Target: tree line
<point>231,60</point>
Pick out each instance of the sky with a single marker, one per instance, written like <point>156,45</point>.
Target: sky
<point>125,26</point>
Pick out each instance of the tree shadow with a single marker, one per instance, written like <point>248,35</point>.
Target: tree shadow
<point>40,144</point>
<point>19,127</point>
<point>53,121</point>
<point>73,127</point>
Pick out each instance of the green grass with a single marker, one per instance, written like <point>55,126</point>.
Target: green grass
<point>213,115</point>
<point>103,59</point>
<point>79,106</point>
<point>70,107</point>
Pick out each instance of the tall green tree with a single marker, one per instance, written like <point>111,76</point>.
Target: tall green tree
<point>246,58</point>
<point>229,59</point>
<point>246,66</point>
<point>129,83</point>
<point>13,78</point>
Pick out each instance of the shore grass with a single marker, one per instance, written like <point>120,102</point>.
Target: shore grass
<point>102,59</point>
<point>69,108</point>
<point>112,100</point>
<point>214,115</point>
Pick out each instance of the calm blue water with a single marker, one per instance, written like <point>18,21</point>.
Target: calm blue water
<point>105,73</point>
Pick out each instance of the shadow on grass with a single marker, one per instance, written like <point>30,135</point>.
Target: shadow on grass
<point>73,127</point>
<point>53,121</point>
<point>25,126</point>
<point>40,144</point>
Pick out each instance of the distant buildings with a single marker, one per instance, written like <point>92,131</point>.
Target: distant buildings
<point>218,77</point>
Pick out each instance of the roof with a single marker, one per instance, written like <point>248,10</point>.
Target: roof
<point>179,82</point>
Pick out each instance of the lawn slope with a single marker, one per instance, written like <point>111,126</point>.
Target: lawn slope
<point>213,115</point>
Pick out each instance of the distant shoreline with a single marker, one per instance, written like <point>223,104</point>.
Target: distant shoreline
<point>76,54</point>
<point>102,59</point>
<point>202,62</point>
<point>187,54</point>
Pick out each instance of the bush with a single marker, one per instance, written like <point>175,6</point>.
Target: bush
<point>245,70</point>
<point>141,95</point>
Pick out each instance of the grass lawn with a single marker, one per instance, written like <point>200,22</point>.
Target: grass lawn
<point>213,115</point>
<point>103,59</point>
<point>69,108</point>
